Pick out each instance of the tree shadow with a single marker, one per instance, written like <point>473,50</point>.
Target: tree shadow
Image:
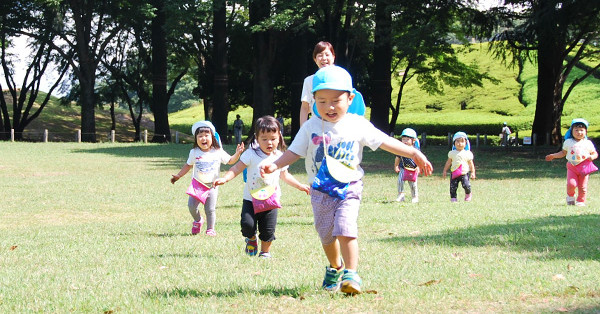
<point>552,237</point>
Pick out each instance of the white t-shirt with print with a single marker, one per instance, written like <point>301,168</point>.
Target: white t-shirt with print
<point>253,158</point>
<point>346,139</point>
<point>578,151</point>
<point>207,165</point>
<point>460,158</point>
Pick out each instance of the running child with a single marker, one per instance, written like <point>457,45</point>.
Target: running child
<point>332,141</point>
<point>460,162</point>
<point>260,211</point>
<point>579,152</point>
<point>406,168</point>
<point>205,158</point>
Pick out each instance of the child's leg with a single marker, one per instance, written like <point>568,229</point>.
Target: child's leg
<point>248,221</point>
<point>466,183</point>
<point>210,208</point>
<point>349,248</point>
<point>267,221</point>
<point>332,252</point>
<point>400,181</point>
<point>582,188</point>
<point>571,182</point>
<point>453,187</point>
<point>193,207</point>
<point>413,189</point>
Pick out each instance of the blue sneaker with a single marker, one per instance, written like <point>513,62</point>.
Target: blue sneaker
<point>351,282</point>
<point>331,282</point>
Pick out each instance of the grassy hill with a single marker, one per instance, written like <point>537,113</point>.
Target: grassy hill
<point>485,108</point>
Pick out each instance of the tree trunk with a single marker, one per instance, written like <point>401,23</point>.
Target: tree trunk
<point>298,74</point>
<point>221,82</point>
<point>382,63</point>
<point>162,132</point>
<point>262,81</point>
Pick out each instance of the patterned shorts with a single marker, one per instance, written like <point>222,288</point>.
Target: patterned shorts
<point>335,217</point>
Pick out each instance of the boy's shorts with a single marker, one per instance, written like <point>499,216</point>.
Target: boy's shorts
<point>335,217</point>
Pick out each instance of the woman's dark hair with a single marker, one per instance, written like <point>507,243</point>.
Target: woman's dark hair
<point>321,46</point>
<point>267,124</point>
<point>215,143</point>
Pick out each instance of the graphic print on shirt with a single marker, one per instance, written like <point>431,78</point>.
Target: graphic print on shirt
<point>206,171</point>
<point>578,154</point>
<point>344,152</point>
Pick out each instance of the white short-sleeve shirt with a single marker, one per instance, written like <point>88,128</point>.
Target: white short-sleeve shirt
<point>345,140</point>
<point>578,151</point>
<point>207,165</point>
<point>253,158</point>
<point>307,94</point>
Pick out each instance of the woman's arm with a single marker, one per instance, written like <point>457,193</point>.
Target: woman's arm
<point>304,111</point>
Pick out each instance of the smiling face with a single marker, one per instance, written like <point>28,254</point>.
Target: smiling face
<point>332,105</point>
<point>460,143</point>
<point>204,139</point>
<point>579,132</point>
<point>324,58</point>
<point>268,141</point>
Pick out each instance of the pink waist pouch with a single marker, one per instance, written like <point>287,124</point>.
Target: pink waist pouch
<point>457,173</point>
<point>198,191</point>
<point>583,168</point>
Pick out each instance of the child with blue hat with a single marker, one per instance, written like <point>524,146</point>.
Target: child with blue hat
<point>579,152</point>
<point>332,142</point>
<point>406,168</point>
<point>460,163</point>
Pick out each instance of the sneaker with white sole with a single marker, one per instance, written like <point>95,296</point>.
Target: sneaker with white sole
<point>251,246</point>
<point>331,282</point>
<point>196,226</point>
<point>570,200</point>
<point>415,200</point>
<point>579,203</point>
<point>265,255</point>
<point>351,282</point>
<point>400,198</point>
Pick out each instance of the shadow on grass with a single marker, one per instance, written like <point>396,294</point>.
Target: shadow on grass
<point>233,292</point>
<point>553,237</point>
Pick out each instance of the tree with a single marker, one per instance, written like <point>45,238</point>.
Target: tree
<point>18,18</point>
<point>421,49</point>
<point>558,35</point>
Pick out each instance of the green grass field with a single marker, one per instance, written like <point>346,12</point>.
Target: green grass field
<point>99,228</point>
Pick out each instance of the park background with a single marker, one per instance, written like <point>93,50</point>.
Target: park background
<point>97,227</point>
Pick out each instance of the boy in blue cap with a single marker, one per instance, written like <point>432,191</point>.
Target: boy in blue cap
<point>332,142</point>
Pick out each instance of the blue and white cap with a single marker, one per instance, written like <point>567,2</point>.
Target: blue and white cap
<point>569,133</point>
<point>206,124</point>
<point>337,78</point>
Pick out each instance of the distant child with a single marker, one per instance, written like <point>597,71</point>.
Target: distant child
<point>460,162</point>
<point>579,152</point>
<point>407,168</point>
<point>205,158</point>
<point>332,142</point>
<point>265,146</point>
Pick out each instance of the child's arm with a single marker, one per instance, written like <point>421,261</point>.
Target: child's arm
<point>181,173</point>
<point>396,164</point>
<point>292,181</point>
<point>593,155</point>
<point>472,167</point>
<point>286,159</point>
<point>446,167</point>
<point>394,146</point>
<point>238,151</point>
<point>231,173</point>
<point>560,154</point>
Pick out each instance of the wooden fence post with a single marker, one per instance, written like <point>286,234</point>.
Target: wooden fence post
<point>78,136</point>
<point>12,135</point>
<point>423,139</point>
<point>516,138</point>
<point>112,136</point>
<point>145,136</point>
<point>45,135</point>
<point>477,141</point>
<point>449,139</point>
<point>176,137</point>
<point>484,139</point>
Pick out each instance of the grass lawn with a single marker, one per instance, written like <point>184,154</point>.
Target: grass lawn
<point>99,228</point>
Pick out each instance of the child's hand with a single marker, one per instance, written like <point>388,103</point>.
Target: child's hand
<point>174,178</point>
<point>444,175</point>
<point>267,169</point>
<point>397,169</point>
<point>220,181</point>
<point>549,157</point>
<point>239,148</point>
<point>423,163</point>
<point>473,175</point>
<point>305,188</point>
